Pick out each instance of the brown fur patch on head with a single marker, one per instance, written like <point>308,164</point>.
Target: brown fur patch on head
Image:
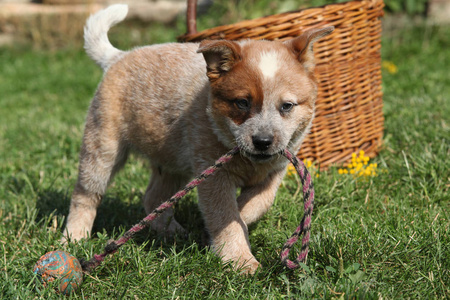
<point>241,82</point>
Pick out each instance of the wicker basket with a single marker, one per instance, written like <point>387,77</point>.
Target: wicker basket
<point>349,114</point>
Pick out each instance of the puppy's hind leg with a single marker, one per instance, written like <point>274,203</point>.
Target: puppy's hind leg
<point>102,154</point>
<point>162,186</point>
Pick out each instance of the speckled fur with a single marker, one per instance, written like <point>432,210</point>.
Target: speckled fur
<point>176,106</point>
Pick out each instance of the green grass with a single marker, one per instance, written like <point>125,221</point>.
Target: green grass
<point>387,237</point>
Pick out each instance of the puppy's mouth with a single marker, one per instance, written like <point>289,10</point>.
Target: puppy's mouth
<point>259,157</point>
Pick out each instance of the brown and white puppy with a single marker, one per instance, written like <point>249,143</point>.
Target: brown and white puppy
<point>159,101</point>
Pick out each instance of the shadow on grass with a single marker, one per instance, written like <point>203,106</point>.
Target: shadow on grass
<point>115,216</point>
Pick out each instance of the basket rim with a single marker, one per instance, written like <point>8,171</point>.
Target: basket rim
<point>282,17</point>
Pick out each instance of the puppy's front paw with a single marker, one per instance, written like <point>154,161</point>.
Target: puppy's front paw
<point>244,263</point>
<point>65,239</point>
<point>73,235</point>
<point>248,267</point>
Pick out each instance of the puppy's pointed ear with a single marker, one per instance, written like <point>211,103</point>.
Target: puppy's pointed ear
<point>220,57</point>
<point>302,46</point>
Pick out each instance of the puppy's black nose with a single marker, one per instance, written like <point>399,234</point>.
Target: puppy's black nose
<point>262,142</point>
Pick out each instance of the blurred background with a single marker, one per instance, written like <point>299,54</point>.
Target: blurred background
<point>58,23</point>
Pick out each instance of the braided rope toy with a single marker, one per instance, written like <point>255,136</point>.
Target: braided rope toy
<point>112,247</point>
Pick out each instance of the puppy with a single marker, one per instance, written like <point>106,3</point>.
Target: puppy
<point>183,106</point>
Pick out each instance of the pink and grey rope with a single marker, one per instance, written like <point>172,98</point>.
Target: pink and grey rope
<point>305,223</point>
<point>304,227</point>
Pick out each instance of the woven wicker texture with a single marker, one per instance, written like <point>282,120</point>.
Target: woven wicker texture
<point>349,113</point>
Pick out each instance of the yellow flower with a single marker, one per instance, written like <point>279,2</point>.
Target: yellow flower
<point>359,166</point>
<point>307,162</point>
<point>389,66</point>
<point>291,170</point>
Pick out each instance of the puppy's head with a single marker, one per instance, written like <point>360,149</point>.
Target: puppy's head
<point>262,93</point>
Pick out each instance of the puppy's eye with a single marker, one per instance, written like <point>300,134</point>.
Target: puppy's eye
<point>287,107</point>
<point>242,104</point>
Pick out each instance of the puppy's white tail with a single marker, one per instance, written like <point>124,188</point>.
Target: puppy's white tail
<point>96,40</point>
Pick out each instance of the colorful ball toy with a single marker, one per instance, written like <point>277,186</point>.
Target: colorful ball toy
<point>60,266</point>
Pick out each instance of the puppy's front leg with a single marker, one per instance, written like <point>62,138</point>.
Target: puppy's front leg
<point>229,234</point>
<point>254,201</point>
